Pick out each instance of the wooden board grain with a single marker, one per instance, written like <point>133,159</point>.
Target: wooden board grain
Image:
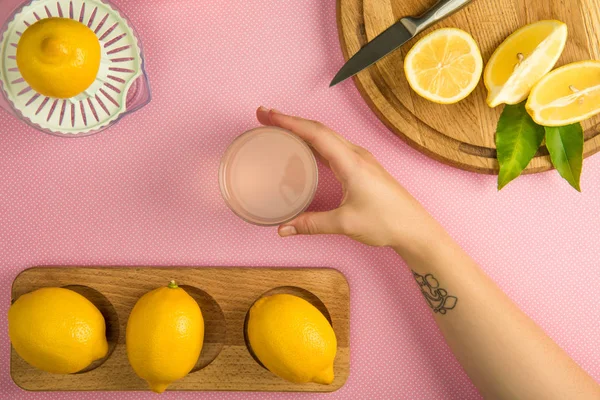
<point>461,135</point>
<point>224,294</point>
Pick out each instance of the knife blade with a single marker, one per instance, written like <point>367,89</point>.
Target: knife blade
<point>395,36</point>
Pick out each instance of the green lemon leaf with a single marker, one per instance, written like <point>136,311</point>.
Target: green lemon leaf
<point>518,138</point>
<point>565,145</point>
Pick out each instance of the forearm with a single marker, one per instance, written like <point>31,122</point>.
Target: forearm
<point>506,355</point>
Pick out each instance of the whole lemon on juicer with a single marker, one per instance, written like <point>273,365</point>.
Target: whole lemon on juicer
<point>59,57</point>
<point>57,330</point>
<point>292,339</point>
<point>165,333</point>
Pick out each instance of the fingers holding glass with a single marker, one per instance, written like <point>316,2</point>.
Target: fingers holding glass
<point>336,151</point>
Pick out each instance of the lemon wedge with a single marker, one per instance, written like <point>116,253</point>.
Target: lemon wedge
<point>567,95</point>
<point>522,60</point>
<point>445,66</point>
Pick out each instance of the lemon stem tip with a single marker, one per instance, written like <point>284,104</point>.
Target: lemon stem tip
<point>172,285</point>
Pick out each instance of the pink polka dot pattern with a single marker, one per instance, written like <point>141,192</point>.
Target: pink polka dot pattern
<point>145,192</point>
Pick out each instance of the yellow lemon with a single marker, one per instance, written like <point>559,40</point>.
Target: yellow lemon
<point>57,330</point>
<point>292,339</point>
<point>445,66</point>
<point>58,57</point>
<point>522,60</point>
<point>566,95</point>
<point>165,333</point>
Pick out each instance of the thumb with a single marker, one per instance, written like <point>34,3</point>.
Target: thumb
<point>312,223</point>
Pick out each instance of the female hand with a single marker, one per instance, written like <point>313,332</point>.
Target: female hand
<point>503,351</point>
<point>374,210</point>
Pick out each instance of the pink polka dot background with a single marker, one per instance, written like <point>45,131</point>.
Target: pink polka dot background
<point>145,192</point>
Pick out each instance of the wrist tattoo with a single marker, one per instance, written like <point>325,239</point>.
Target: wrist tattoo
<point>437,298</point>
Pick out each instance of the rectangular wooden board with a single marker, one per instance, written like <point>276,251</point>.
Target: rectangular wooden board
<point>225,295</point>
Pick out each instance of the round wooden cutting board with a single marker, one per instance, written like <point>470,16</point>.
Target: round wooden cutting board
<point>461,135</point>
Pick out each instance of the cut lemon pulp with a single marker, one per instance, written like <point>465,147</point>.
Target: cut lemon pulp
<point>567,95</point>
<point>445,66</point>
<point>522,60</point>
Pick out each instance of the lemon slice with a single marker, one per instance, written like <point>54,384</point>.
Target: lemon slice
<point>567,95</point>
<point>445,66</point>
<point>522,60</point>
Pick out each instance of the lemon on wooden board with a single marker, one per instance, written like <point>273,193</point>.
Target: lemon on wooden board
<point>522,60</point>
<point>292,339</point>
<point>57,330</point>
<point>444,66</point>
<point>567,95</point>
<point>58,57</point>
<point>165,333</point>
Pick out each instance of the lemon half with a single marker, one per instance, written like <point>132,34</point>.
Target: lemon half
<point>445,66</point>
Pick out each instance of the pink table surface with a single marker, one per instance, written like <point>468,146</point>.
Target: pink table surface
<point>146,193</point>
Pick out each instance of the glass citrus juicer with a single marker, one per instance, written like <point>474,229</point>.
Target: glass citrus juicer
<point>120,86</point>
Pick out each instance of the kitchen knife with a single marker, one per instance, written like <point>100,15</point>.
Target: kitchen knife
<point>395,36</point>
